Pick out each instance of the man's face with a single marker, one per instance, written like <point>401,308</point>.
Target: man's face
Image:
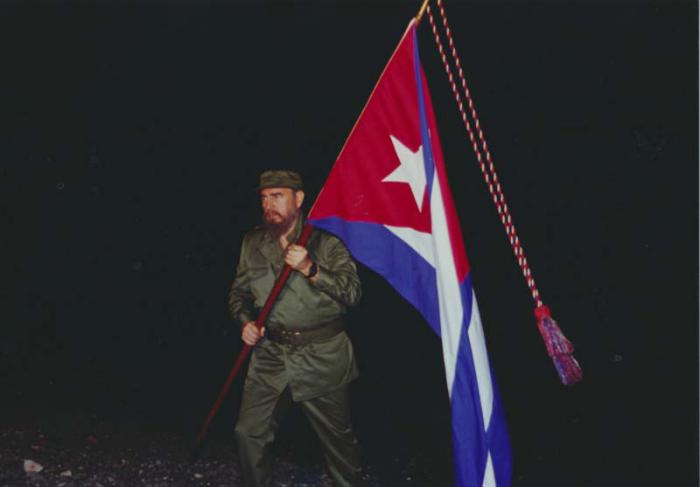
<point>280,206</point>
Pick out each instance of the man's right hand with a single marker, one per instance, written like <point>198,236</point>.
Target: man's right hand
<point>250,334</point>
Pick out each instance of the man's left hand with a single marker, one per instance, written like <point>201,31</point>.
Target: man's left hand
<point>298,258</point>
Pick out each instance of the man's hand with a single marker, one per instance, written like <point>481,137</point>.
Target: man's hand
<point>250,334</point>
<point>298,258</point>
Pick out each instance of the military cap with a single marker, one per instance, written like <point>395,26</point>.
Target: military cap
<point>280,178</point>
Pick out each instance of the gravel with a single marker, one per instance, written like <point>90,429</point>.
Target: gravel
<point>84,452</point>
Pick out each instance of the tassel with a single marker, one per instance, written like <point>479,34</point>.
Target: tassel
<point>558,347</point>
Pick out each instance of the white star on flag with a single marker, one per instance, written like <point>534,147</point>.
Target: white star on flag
<point>410,171</point>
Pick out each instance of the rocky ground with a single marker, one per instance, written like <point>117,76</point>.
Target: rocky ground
<point>86,452</point>
<point>128,459</point>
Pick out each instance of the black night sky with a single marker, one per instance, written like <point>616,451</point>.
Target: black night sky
<point>132,135</point>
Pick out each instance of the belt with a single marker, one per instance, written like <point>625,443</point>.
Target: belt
<point>302,337</point>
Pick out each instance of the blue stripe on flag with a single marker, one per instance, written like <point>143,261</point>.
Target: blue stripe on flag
<point>468,435</point>
<point>499,440</point>
<point>389,256</point>
<point>471,443</point>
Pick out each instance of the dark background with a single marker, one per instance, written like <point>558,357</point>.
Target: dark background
<point>131,136</point>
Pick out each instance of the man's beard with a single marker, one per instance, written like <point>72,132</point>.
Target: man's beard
<point>281,225</point>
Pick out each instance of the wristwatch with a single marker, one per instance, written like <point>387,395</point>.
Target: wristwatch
<point>313,270</point>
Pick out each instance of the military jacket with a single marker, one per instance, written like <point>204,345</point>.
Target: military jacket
<point>315,368</point>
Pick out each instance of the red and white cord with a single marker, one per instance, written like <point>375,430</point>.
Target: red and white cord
<point>489,171</point>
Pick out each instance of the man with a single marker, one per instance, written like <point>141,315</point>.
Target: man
<point>302,355</point>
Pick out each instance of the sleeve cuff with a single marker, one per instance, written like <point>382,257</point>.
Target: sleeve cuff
<point>243,318</point>
<point>324,279</point>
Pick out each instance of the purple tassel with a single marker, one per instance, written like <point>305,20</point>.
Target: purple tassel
<point>558,347</point>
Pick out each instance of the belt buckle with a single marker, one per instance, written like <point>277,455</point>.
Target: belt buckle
<point>293,337</point>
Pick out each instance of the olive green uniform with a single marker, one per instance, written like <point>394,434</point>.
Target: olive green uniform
<point>313,369</point>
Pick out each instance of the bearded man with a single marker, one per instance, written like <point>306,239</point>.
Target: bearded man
<point>303,354</point>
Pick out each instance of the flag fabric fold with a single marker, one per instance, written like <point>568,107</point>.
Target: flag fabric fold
<point>387,197</point>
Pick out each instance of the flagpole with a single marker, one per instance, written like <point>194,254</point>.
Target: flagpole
<point>421,11</point>
<point>245,351</point>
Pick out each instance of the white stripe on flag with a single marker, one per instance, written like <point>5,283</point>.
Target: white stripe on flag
<point>451,308</point>
<point>489,474</point>
<point>421,242</point>
<point>481,363</point>
<point>436,249</point>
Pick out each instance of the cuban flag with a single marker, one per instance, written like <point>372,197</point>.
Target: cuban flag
<point>388,199</point>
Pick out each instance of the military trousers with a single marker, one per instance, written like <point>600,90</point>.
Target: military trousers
<point>262,409</point>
